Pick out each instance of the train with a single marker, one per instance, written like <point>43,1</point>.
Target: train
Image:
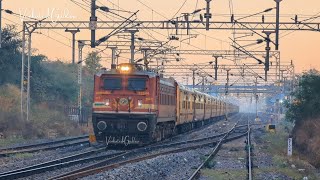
<point>134,106</point>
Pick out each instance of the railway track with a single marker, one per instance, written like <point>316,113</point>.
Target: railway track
<point>64,162</point>
<point>74,159</point>
<point>6,152</point>
<point>142,154</point>
<point>216,149</point>
<point>118,158</point>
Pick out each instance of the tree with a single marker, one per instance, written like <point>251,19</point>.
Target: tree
<point>93,62</point>
<point>306,103</point>
<point>55,82</point>
<point>10,56</point>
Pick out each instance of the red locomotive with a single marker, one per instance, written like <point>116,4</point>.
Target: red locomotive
<point>133,106</point>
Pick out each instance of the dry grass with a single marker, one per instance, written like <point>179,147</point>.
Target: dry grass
<point>277,146</point>
<point>43,120</point>
<point>224,174</point>
<point>307,140</point>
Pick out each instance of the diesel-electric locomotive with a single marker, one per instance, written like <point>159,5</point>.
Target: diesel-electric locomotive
<point>133,106</point>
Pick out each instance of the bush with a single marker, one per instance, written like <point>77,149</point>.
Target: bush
<point>42,118</point>
<point>307,140</point>
<point>9,111</point>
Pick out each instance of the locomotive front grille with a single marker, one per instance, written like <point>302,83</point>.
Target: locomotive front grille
<point>115,126</point>
<point>123,126</point>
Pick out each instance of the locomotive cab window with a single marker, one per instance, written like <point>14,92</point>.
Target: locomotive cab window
<point>137,84</point>
<point>112,83</point>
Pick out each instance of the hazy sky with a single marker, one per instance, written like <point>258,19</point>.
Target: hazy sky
<point>301,47</point>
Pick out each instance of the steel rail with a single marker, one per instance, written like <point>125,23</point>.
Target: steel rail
<point>55,164</point>
<point>196,173</point>
<point>89,170</point>
<point>43,144</point>
<point>64,159</point>
<point>66,144</point>
<point>212,154</point>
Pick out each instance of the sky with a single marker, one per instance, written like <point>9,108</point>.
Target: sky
<point>301,47</point>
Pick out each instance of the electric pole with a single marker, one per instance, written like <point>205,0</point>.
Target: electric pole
<point>281,72</point>
<point>145,57</point>
<point>73,32</point>
<point>216,67</point>
<point>93,23</point>
<point>113,58</point>
<point>80,47</point>
<point>267,60</point>
<point>26,72</point>
<point>227,84</point>
<point>132,47</point>
<point>277,23</point>
<point>208,15</point>
<point>256,96</point>
<point>203,82</point>
<point>193,76</point>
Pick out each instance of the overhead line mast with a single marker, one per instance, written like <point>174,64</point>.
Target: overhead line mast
<point>93,23</point>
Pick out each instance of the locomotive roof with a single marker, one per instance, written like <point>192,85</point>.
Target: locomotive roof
<point>150,74</point>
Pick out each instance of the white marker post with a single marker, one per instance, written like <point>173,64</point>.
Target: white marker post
<point>289,146</point>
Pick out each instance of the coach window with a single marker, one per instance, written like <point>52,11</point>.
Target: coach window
<point>172,100</point>
<point>162,99</point>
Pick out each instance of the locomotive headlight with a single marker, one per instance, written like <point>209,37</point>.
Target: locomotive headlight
<point>107,102</point>
<point>125,68</point>
<point>142,126</point>
<point>139,103</point>
<point>102,125</point>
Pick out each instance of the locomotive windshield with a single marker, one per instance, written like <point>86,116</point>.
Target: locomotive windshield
<point>136,84</point>
<point>112,84</point>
